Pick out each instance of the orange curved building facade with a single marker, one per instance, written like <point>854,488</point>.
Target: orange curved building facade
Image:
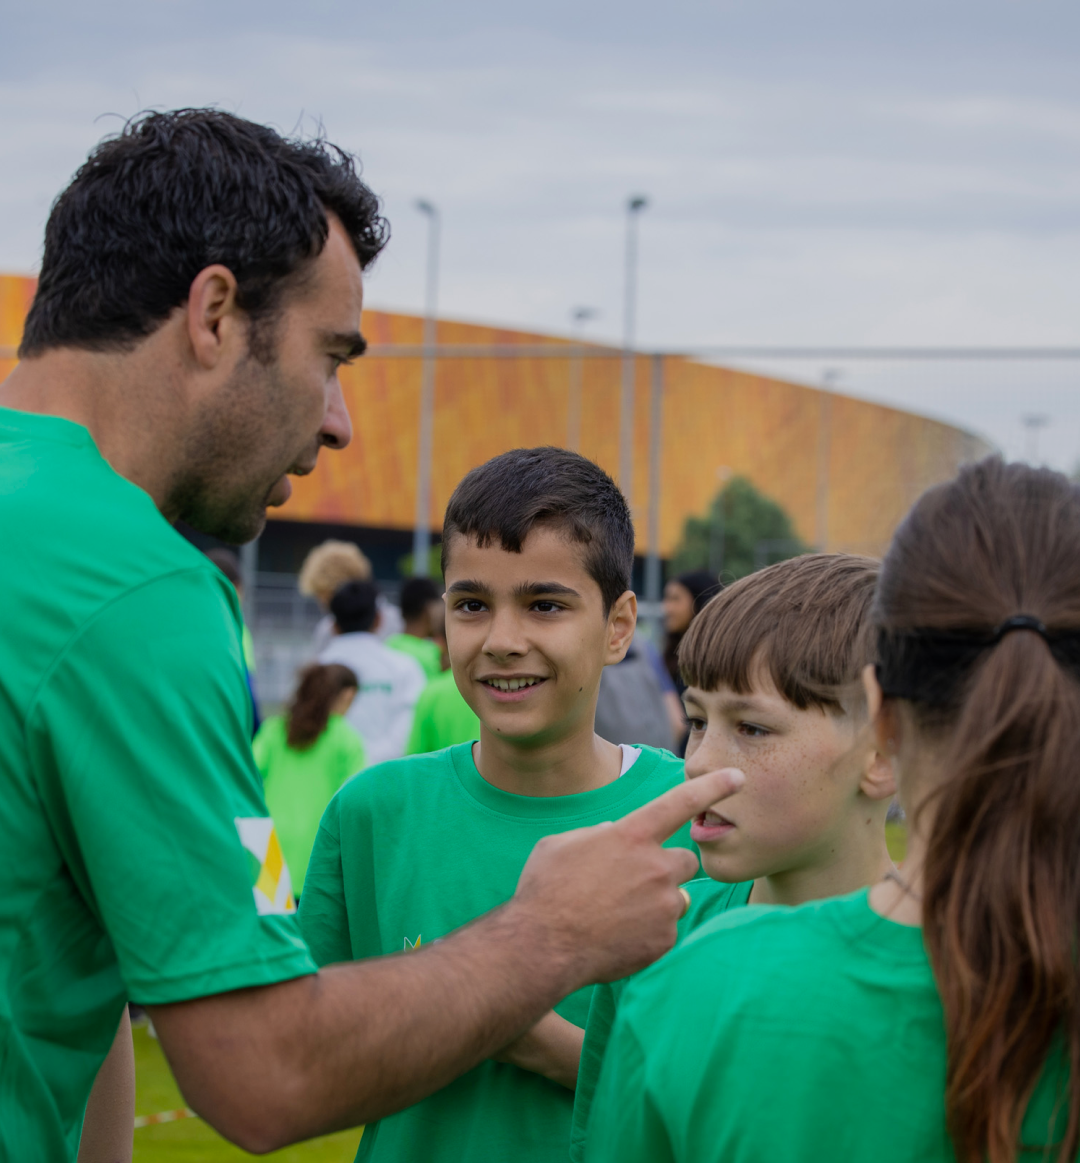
<point>846,470</point>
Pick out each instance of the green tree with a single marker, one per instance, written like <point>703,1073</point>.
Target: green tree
<point>743,530</point>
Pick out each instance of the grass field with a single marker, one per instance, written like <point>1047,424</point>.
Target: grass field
<point>192,1141</point>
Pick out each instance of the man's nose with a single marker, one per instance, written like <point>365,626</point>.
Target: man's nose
<point>336,431</point>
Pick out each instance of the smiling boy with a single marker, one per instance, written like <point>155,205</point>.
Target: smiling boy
<point>773,665</point>
<point>537,552</point>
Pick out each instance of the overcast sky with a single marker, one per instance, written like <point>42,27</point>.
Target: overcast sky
<point>819,171</point>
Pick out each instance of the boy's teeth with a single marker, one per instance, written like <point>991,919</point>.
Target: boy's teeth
<point>511,684</point>
<point>713,818</point>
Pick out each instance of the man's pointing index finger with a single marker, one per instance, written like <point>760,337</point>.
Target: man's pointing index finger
<point>666,814</point>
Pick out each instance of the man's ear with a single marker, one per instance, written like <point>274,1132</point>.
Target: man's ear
<point>622,622</point>
<point>213,317</point>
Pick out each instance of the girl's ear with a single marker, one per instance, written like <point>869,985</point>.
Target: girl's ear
<point>879,780</point>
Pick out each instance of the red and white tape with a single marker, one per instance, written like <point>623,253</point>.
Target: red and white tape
<point>163,1117</point>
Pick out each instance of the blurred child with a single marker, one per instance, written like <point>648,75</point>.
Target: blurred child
<point>420,596</point>
<point>305,756</point>
<point>774,666</point>
<point>390,681</point>
<point>538,546</point>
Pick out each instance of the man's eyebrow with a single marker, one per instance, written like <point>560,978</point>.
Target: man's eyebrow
<point>538,589</point>
<point>468,587</point>
<point>350,343</point>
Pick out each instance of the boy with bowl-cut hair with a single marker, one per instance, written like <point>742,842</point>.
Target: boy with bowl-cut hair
<point>538,548</point>
<point>774,665</point>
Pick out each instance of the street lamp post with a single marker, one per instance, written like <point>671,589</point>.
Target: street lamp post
<point>580,316</point>
<point>634,206</point>
<point>422,529</point>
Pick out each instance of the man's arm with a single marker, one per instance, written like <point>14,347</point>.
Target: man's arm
<point>110,1113</point>
<point>356,1042</point>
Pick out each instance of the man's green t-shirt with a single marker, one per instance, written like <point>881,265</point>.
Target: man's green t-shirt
<point>787,1034</point>
<point>137,857</point>
<point>299,784</point>
<point>413,849</point>
<point>424,650</point>
<point>442,717</point>
<point>708,899</point>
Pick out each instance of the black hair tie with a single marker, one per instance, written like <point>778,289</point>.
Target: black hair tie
<point>930,666</point>
<point>1018,622</point>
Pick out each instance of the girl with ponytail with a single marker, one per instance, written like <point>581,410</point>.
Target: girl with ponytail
<point>305,756</point>
<point>937,1015</point>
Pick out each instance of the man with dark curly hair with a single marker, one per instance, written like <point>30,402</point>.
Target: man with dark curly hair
<point>201,285</point>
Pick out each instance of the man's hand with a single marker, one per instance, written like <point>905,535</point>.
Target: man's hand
<point>608,896</point>
<point>552,1048</point>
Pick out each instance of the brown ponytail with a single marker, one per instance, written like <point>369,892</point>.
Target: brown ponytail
<point>309,711</point>
<point>1001,901</point>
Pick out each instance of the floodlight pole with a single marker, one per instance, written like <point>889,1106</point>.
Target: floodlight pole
<point>422,529</point>
<point>634,206</point>
<point>652,560</point>
<point>580,316</point>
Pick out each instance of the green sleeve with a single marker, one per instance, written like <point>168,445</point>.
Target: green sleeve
<point>625,1125</point>
<point>139,742</point>
<point>602,1012</point>
<point>324,917</point>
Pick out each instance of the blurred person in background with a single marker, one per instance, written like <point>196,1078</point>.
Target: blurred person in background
<point>229,564</point>
<point>421,602</point>
<point>684,598</point>
<point>442,717</point>
<point>327,567</point>
<point>390,682</point>
<point>637,701</point>
<point>304,756</point>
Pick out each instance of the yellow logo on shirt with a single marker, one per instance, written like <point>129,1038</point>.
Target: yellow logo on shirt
<point>413,944</point>
<point>272,885</point>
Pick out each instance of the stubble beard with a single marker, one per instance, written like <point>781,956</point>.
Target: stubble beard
<point>225,486</point>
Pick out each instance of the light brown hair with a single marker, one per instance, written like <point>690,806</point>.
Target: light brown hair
<point>309,711</point>
<point>329,566</point>
<point>806,620</point>
<point>1001,898</point>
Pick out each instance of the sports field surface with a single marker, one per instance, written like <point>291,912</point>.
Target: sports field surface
<point>190,1140</point>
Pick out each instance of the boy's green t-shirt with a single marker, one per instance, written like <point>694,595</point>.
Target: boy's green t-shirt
<point>424,650</point>
<point>299,784</point>
<point>442,717</point>
<point>413,849</point>
<point>708,899</point>
<point>795,1034</point>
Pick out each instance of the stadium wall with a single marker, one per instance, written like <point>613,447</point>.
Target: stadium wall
<point>846,470</point>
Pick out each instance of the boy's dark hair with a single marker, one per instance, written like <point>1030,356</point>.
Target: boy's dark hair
<point>806,620</point>
<point>355,606</point>
<point>416,594</point>
<point>504,499</point>
<point>173,193</point>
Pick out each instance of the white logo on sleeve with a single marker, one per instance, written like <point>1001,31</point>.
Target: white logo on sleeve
<point>271,883</point>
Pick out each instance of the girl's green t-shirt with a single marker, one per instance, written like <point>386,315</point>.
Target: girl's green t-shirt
<point>413,849</point>
<point>299,784</point>
<point>806,1034</point>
